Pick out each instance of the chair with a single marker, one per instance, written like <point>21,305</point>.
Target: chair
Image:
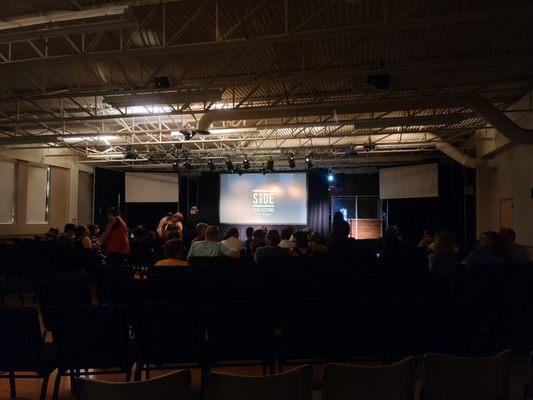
<point>61,292</point>
<point>173,386</point>
<point>22,348</point>
<point>295,384</point>
<point>106,274</point>
<point>90,337</point>
<point>390,382</point>
<point>460,378</point>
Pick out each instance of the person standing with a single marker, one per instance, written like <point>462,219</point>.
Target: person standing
<point>115,238</point>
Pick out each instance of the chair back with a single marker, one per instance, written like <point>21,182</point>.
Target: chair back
<point>390,382</point>
<point>295,384</point>
<point>90,336</point>
<point>173,386</point>
<point>461,378</point>
<point>20,339</point>
<point>528,389</point>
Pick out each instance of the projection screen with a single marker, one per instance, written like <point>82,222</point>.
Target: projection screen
<point>145,187</point>
<point>271,199</point>
<point>409,182</point>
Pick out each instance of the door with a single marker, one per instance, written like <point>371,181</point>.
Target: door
<point>506,213</point>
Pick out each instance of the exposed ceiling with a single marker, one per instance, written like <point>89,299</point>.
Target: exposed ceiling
<point>80,75</point>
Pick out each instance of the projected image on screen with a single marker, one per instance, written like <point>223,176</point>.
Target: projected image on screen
<point>263,199</point>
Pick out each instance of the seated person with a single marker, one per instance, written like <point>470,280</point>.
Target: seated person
<point>316,243</point>
<point>231,239</point>
<point>249,238</point>
<point>258,240</point>
<point>301,246</point>
<point>66,240</point>
<point>271,251</point>
<point>427,239</point>
<point>200,232</point>
<point>211,246</point>
<point>516,254</point>
<point>141,253</point>
<point>173,254</point>
<point>490,250</point>
<point>83,237</point>
<point>443,259</point>
<point>286,242</point>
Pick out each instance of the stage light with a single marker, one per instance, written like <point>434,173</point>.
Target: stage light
<point>131,153</point>
<point>270,165</point>
<point>176,167</point>
<point>292,162</point>
<point>229,165</point>
<point>187,165</point>
<point>162,82</point>
<point>369,146</point>
<point>381,81</point>
<point>188,134</point>
<point>309,162</point>
<point>246,163</point>
<point>211,165</point>
<point>263,169</point>
<point>238,170</point>
<point>331,177</point>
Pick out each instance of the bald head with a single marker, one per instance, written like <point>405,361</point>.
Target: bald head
<point>212,233</point>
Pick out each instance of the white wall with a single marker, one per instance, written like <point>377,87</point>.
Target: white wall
<point>512,178</point>
<point>63,199</point>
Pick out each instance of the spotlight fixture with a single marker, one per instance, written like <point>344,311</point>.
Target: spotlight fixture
<point>187,165</point>
<point>162,82</point>
<point>369,146</point>
<point>211,165</point>
<point>246,163</point>
<point>176,167</point>
<point>292,162</point>
<point>238,170</point>
<point>381,81</point>
<point>131,153</point>
<point>270,165</point>
<point>188,134</point>
<point>309,162</point>
<point>331,177</point>
<point>229,165</point>
<point>263,169</point>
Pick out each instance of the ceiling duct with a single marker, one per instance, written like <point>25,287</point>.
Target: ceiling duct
<point>455,154</point>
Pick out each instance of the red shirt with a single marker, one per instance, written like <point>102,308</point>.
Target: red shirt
<point>116,240</point>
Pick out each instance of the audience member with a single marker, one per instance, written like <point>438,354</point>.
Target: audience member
<point>249,239</point>
<point>271,251</point>
<point>490,250</point>
<point>211,246</point>
<point>66,240</point>
<point>258,240</point>
<point>340,229</point>
<point>427,239</point>
<point>316,243</point>
<point>173,255</point>
<point>115,238</point>
<point>515,253</point>
<point>200,232</point>
<point>163,222</point>
<point>231,239</point>
<point>301,246</point>
<point>83,237</point>
<point>94,231</point>
<point>286,242</point>
<point>141,253</point>
<point>443,260</point>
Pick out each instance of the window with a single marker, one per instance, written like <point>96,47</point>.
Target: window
<point>8,194</point>
<point>363,213</point>
<point>38,194</point>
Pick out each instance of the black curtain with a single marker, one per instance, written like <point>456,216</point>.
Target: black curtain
<point>109,191</point>
<point>147,214</point>
<point>188,193</point>
<point>318,208</point>
<point>209,197</point>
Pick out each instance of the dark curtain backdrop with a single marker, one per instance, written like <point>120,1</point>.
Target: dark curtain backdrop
<point>188,193</point>
<point>147,214</point>
<point>452,210</point>
<point>208,197</point>
<point>318,207</point>
<point>108,192</point>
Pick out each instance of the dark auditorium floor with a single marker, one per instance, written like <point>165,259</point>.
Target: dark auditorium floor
<point>30,388</point>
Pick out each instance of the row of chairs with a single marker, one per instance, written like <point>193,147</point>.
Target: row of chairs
<point>444,378</point>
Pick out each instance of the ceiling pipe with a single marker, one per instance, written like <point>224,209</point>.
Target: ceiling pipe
<point>461,157</point>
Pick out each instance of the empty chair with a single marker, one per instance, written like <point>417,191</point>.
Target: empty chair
<point>389,382</point>
<point>295,384</point>
<point>61,292</point>
<point>461,378</point>
<point>22,348</point>
<point>90,337</point>
<point>173,386</point>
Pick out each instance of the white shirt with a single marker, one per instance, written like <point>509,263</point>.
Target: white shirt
<point>211,249</point>
<point>234,243</point>
<point>286,244</point>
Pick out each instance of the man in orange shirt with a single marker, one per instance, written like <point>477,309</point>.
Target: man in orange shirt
<point>115,238</point>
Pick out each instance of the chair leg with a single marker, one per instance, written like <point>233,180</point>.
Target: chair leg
<point>57,384</point>
<point>12,386</point>
<point>44,386</point>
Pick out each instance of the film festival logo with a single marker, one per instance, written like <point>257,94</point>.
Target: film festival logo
<point>263,202</point>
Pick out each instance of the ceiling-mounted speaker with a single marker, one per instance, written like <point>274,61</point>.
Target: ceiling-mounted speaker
<point>381,81</point>
<point>162,82</point>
